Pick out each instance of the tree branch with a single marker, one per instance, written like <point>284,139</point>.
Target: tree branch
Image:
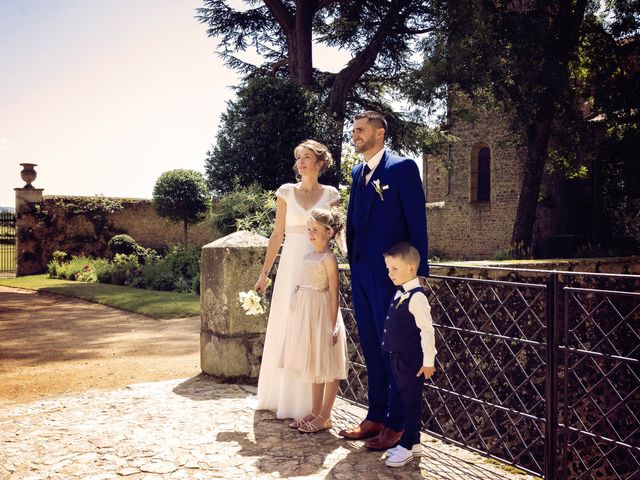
<point>282,15</point>
<point>411,31</point>
<point>363,60</point>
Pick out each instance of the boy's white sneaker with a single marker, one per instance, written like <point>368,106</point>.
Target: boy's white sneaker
<point>400,457</point>
<point>416,450</point>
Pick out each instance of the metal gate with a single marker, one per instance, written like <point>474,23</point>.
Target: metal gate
<point>7,242</point>
<point>536,369</point>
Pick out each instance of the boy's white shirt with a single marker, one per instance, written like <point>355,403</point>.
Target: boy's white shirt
<point>421,311</point>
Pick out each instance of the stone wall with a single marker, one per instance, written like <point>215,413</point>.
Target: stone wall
<point>615,265</point>
<point>459,227</point>
<point>84,226</point>
<point>139,220</point>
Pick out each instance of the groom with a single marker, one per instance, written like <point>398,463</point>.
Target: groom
<point>386,206</point>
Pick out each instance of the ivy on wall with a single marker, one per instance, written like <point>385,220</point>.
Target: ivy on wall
<point>76,225</point>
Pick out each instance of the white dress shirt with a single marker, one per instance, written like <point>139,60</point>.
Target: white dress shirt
<point>421,311</point>
<point>373,163</point>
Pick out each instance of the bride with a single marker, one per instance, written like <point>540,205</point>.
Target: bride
<point>282,393</point>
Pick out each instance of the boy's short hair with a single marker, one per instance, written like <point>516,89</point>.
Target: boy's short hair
<point>405,251</point>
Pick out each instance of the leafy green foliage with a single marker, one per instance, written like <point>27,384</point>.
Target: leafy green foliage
<point>535,62</point>
<point>258,134</point>
<point>177,271</point>
<point>249,208</point>
<point>78,268</point>
<point>122,244</point>
<point>182,195</point>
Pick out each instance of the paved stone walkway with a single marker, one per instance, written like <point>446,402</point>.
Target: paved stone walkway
<point>198,429</point>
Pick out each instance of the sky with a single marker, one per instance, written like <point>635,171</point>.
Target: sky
<point>105,96</point>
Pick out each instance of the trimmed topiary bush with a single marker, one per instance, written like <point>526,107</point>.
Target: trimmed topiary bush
<point>122,244</point>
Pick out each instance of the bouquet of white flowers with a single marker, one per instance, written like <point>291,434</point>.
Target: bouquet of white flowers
<point>252,303</point>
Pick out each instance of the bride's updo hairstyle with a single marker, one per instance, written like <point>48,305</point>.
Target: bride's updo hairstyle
<point>328,219</point>
<point>319,150</point>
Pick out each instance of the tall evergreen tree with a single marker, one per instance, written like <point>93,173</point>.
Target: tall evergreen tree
<point>382,36</point>
<point>258,134</point>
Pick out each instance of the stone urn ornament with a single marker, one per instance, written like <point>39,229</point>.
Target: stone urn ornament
<point>28,174</point>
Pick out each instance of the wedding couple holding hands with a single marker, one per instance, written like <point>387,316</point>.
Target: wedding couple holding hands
<point>305,355</point>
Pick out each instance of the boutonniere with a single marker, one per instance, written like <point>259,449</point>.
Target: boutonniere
<point>403,297</point>
<point>380,188</point>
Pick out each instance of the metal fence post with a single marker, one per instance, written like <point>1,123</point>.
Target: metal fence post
<point>551,423</point>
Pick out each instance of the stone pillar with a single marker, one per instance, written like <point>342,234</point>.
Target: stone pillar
<point>231,342</point>
<point>28,251</point>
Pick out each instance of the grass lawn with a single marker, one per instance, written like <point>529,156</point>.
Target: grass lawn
<point>146,302</point>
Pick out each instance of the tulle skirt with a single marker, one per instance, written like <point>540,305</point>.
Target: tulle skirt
<point>308,352</point>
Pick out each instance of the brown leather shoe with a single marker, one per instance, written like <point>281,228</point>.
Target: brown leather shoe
<point>386,439</point>
<point>366,429</point>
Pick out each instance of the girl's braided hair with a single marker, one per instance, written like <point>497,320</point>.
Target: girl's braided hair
<point>329,218</point>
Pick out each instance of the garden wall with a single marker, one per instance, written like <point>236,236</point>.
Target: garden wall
<point>84,226</point>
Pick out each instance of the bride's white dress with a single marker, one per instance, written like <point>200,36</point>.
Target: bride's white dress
<point>285,394</point>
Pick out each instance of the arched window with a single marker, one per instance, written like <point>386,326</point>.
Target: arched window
<point>480,173</point>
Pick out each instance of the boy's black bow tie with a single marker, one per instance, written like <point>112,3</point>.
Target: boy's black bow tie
<point>400,288</point>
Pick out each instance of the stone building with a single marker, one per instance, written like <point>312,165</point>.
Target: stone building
<point>472,188</point>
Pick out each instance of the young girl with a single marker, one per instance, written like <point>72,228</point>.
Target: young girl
<point>315,342</point>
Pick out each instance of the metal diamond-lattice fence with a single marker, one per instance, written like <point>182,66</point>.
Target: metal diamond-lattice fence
<point>600,395</point>
<point>490,392</point>
<point>538,372</point>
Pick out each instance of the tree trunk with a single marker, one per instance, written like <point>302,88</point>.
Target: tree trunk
<point>185,234</point>
<point>336,130</point>
<point>561,42</point>
<point>537,147</point>
<point>305,10</point>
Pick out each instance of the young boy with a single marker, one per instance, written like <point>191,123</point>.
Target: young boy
<point>409,342</point>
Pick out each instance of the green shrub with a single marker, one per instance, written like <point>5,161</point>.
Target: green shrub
<point>54,265</point>
<point>156,275</point>
<point>70,270</point>
<point>124,269</point>
<point>196,284</point>
<point>87,275</point>
<point>178,270</point>
<point>146,254</point>
<point>122,244</point>
<point>248,208</point>
<point>121,271</point>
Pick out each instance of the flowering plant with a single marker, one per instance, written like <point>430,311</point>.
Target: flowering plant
<point>403,297</point>
<point>379,188</point>
<point>252,302</point>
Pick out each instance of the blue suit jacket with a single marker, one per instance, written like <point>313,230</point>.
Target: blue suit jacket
<point>374,225</point>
